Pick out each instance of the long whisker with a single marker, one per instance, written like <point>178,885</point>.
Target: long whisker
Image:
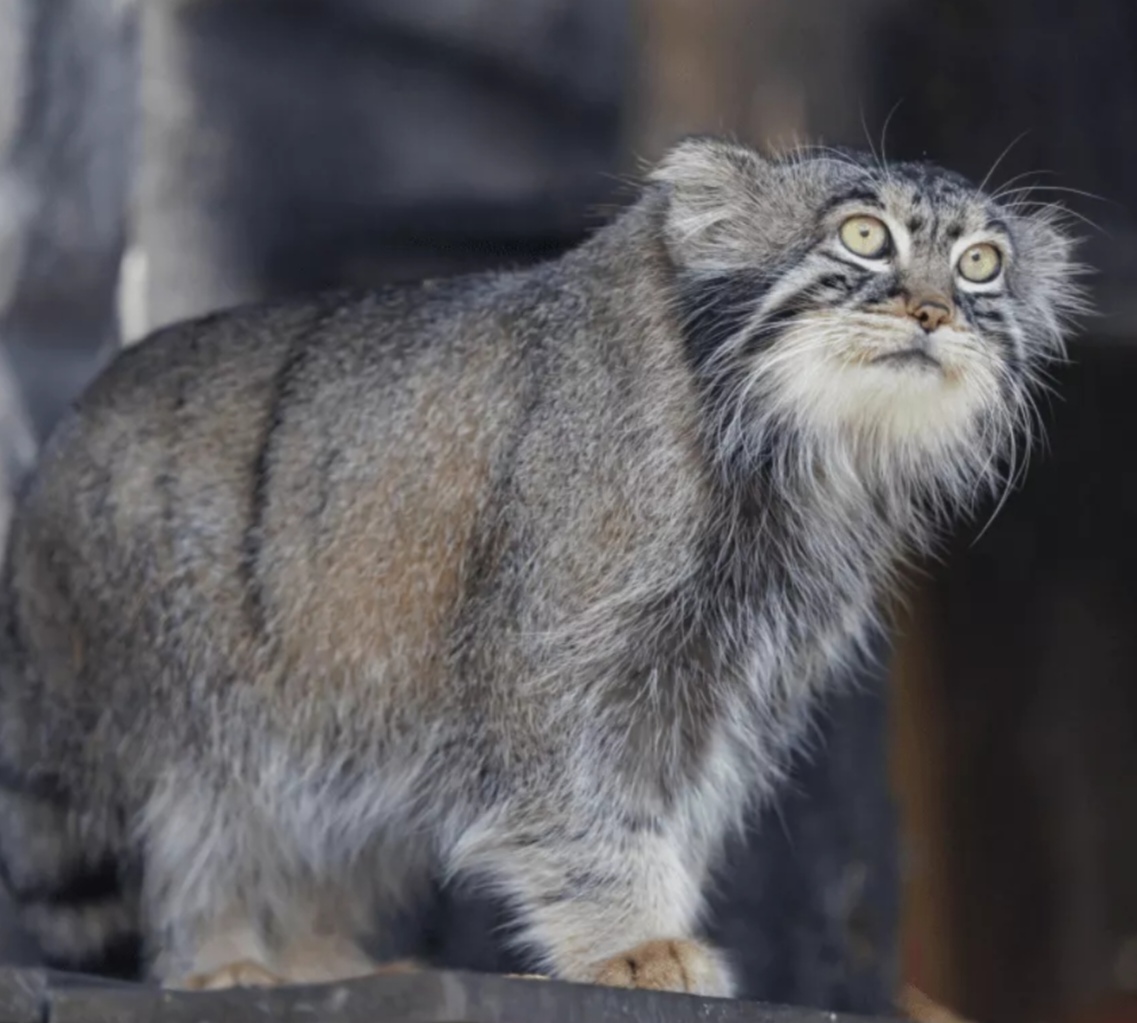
<point>884,133</point>
<point>1061,188</point>
<point>1018,177</point>
<point>999,159</point>
<point>868,139</point>
<point>1058,211</point>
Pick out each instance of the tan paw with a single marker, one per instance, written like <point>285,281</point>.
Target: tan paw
<point>668,965</point>
<point>245,973</point>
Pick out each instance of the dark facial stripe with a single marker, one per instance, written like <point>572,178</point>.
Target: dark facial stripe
<point>841,283</point>
<point>765,334</point>
<point>876,288</point>
<point>860,194</point>
<point>989,320</point>
<point>966,303</point>
<point>811,295</point>
<point>990,317</point>
<point>714,310</point>
<point>833,257</point>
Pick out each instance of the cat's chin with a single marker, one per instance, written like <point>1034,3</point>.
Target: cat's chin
<point>915,359</point>
<point>908,397</point>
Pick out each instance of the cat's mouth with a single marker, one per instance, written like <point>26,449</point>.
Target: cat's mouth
<point>916,358</point>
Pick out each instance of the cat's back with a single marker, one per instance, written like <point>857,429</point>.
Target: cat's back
<point>261,468</point>
<point>193,412</point>
<point>229,368</point>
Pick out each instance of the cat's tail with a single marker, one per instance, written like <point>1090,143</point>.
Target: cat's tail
<point>69,887</point>
<point>64,862</point>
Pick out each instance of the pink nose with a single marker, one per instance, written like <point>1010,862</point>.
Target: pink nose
<point>930,311</point>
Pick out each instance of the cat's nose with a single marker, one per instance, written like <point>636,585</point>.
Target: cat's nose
<point>930,311</point>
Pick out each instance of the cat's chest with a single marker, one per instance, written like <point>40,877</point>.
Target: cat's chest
<point>763,718</point>
<point>728,688</point>
<point>783,629</point>
<point>784,602</point>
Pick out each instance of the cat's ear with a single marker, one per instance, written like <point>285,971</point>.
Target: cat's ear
<point>713,188</point>
<point>1046,275</point>
<point>703,162</point>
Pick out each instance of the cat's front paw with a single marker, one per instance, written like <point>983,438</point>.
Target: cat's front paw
<point>668,965</point>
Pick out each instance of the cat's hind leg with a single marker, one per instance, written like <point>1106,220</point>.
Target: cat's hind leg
<point>229,900</point>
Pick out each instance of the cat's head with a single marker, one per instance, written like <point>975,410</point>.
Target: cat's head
<point>887,315</point>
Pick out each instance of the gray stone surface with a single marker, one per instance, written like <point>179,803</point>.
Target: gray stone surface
<point>23,995</point>
<point>428,997</point>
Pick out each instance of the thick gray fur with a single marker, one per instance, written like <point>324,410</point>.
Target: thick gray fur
<point>528,578</point>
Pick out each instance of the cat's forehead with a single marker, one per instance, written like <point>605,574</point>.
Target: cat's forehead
<point>934,205</point>
<point>935,217</point>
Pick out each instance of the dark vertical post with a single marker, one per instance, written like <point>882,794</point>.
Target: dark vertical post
<point>63,191</point>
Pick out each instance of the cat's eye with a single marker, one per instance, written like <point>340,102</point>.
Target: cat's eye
<point>980,263</point>
<point>866,237</point>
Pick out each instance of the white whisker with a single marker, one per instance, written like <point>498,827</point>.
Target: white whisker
<point>1002,156</point>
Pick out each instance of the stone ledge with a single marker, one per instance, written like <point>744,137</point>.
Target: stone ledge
<point>39,996</point>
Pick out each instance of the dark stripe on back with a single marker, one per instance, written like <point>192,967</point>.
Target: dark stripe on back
<point>262,472</point>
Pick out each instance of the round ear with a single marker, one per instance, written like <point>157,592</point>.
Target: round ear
<point>1047,275</point>
<point>714,190</point>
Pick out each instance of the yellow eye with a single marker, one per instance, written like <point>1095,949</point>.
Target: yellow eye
<point>866,237</point>
<point>981,263</point>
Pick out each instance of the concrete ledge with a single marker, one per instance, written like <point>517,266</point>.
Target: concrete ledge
<point>39,996</point>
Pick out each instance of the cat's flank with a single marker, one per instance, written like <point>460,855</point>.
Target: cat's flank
<point>528,578</point>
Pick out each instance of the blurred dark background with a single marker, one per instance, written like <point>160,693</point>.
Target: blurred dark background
<point>967,827</point>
